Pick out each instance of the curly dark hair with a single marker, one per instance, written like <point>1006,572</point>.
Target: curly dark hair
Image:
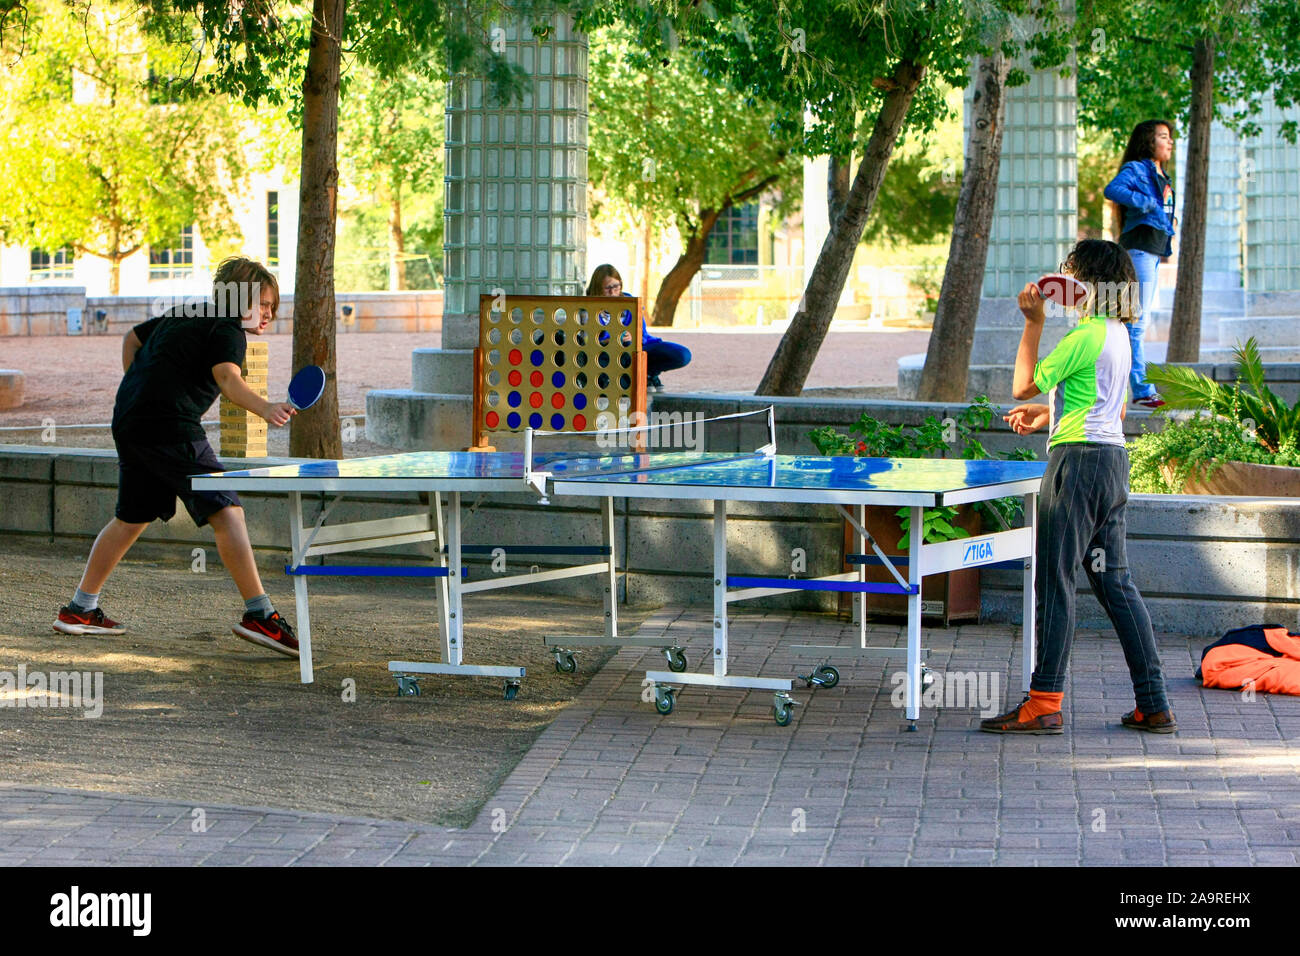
<point>1107,270</point>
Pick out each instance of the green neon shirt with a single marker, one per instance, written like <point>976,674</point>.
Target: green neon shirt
<point>1086,376</point>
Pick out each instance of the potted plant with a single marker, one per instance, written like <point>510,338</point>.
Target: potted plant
<point>1240,440</point>
<point>954,595</point>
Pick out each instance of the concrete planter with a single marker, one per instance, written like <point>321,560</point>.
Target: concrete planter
<point>945,598</point>
<point>1238,479</point>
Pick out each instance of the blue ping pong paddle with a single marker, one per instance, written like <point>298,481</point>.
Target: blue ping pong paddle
<point>306,388</point>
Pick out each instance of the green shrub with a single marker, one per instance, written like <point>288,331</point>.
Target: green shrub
<point>871,438</point>
<point>1196,444</point>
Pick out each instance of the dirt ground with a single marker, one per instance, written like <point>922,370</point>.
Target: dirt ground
<point>192,713</point>
<point>73,379</point>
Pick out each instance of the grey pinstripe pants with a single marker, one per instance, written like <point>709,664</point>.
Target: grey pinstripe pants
<point>1081,521</point>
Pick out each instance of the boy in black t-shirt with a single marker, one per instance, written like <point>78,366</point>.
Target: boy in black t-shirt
<point>175,365</point>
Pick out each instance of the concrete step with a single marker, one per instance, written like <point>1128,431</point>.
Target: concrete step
<point>443,371</point>
<point>1268,331</point>
<point>1273,354</point>
<point>418,421</point>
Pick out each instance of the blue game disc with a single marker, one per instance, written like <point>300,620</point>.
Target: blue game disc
<point>557,421</point>
<point>536,357</point>
<point>557,379</point>
<point>513,399</point>
<point>513,419</point>
<point>579,401</point>
<point>535,420</point>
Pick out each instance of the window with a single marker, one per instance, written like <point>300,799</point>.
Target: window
<point>272,229</point>
<point>734,239</point>
<point>56,265</point>
<point>175,261</point>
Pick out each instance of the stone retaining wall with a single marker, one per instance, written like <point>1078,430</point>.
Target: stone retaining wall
<point>43,310</point>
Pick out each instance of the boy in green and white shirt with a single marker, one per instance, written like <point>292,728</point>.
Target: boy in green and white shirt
<point>1084,492</point>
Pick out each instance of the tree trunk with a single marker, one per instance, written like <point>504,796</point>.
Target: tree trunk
<point>947,360</point>
<point>679,277</point>
<point>837,187</point>
<point>396,241</point>
<point>794,356</point>
<point>114,275</point>
<point>315,432</point>
<point>1185,328</point>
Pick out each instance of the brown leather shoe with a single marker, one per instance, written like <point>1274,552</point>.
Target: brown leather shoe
<point>1010,723</point>
<point>1161,722</point>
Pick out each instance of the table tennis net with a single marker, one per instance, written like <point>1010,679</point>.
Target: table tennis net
<point>657,441</point>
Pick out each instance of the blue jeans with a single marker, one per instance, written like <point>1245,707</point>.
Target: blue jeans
<point>663,356</point>
<point>1145,264</point>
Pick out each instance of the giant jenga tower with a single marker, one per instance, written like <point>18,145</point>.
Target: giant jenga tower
<point>243,434</point>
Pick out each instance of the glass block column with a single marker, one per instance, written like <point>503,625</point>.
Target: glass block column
<point>516,179</point>
<point>1271,174</point>
<point>1223,218</point>
<point>1036,221</point>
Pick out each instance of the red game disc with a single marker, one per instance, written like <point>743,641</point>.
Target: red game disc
<point>535,399</point>
<point>557,400</point>
<point>515,377</point>
<point>515,356</point>
<point>492,419</point>
<point>1066,291</point>
<point>536,379</point>
<point>580,422</point>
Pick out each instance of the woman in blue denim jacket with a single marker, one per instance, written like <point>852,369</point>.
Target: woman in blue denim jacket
<point>660,356</point>
<point>1144,205</point>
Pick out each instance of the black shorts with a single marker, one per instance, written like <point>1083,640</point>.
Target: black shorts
<point>152,477</point>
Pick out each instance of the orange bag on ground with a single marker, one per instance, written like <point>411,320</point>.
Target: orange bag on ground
<point>1264,655</point>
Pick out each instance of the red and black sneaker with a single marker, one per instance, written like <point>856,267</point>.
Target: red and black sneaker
<point>86,622</point>
<point>273,632</point>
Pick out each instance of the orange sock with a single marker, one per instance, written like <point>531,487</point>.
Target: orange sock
<point>1040,702</point>
<point>1137,714</point>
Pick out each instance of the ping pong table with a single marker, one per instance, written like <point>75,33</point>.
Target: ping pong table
<point>760,476</point>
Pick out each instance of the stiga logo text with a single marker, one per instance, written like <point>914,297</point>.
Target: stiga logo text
<point>978,551</point>
<point>74,909</point>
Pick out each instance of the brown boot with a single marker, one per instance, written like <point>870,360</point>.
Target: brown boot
<point>1161,722</point>
<point>1010,722</point>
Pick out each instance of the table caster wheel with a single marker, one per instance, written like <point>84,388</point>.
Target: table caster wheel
<point>664,701</point>
<point>829,675</point>
<point>782,715</point>
<point>512,689</point>
<point>676,659</point>
<point>408,687</point>
<point>565,663</point>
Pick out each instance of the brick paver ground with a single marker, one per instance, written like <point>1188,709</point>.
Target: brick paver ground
<point>717,782</point>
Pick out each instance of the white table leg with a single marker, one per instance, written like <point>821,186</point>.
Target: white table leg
<point>914,617</point>
<point>453,645</point>
<point>1029,617</point>
<point>303,616</point>
<point>860,599</point>
<point>611,576</point>
<point>719,589</point>
<point>441,594</point>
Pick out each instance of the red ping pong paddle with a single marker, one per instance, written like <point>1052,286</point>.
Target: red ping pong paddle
<point>1066,291</point>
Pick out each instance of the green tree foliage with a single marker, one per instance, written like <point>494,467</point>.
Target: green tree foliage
<point>1190,62</point>
<point>918,198</point>
<point>670,145</point>
<point>108,157</point>
<point>849,77</point>
<point>390,152</point>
